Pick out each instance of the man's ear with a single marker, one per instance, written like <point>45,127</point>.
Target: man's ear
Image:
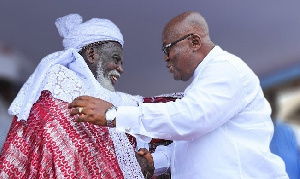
<point>196,42</point>
<point>90,53</point>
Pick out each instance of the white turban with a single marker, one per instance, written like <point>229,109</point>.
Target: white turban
<point>77,34</point>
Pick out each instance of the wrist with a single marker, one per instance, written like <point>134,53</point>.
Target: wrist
<point>110,116</point>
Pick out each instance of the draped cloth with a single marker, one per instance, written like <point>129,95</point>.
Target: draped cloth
<point>49,144</point>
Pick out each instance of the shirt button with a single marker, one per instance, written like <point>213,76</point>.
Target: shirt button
<point>127,129</point>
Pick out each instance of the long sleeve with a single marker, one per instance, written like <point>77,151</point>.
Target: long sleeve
<point>211,100</point>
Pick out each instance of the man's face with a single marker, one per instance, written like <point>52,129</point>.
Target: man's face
<point>109,65</point>
<point>177,61</point>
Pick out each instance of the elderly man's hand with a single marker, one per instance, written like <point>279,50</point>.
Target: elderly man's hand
<point>147,155</point>
<point>90,110</point>
<point>145,160</point>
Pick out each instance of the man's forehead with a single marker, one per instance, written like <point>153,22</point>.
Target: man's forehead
<point>112,44</point>
<point>169,37</point>
<point>165,38</point>
<point>172,31</point>
<point>116,48</point>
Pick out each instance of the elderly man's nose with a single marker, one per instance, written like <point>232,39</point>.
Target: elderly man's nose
<point>120,69</point>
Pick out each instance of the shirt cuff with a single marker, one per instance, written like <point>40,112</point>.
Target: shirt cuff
<point>128,121</point>
<point>161,162</point>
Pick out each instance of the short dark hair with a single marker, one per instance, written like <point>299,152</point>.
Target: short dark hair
<point>96,45</point>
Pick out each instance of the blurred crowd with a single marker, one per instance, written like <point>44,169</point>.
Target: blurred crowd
<point>15,68</point>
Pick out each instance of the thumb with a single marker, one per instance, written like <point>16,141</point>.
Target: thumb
<point>141,153</point>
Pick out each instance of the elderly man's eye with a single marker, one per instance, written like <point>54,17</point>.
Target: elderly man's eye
<point>117,59</point>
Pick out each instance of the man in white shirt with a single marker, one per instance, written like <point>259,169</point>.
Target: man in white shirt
<point>221,128</point>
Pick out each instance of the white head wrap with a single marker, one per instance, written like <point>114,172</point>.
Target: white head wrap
<point>77,34</point>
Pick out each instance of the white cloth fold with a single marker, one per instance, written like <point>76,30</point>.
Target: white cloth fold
<point>77,34</point>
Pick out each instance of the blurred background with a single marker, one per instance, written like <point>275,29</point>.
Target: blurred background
<point>265,34</point>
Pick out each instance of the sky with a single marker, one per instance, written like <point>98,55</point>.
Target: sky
<point>265,34</point>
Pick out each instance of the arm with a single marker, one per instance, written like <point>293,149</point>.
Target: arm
<point>212,99</point>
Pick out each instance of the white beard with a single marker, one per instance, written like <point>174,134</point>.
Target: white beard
<point>105,82</point>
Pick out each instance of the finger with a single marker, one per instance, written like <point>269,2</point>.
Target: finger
<point>141,153</point>
<point>77,111</point>
<point>80,119</point>
<point>74,112</point>
<point>83,118</point>
<point>149,158</point>
<point>144,150</point>
<point>84,97</point>
<point>77,103</point>
<point>80,101</point>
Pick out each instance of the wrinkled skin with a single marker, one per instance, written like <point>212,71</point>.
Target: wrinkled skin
<point>105,62</point>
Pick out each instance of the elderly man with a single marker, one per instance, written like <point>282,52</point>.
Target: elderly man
<point>221,128</point>
<point>44,141</point>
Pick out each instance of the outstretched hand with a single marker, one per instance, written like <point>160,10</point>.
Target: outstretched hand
<point>89,109</point>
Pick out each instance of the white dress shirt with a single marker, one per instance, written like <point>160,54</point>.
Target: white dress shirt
<point>221,127</point>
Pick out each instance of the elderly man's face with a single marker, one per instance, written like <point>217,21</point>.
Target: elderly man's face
<point>109,65</point>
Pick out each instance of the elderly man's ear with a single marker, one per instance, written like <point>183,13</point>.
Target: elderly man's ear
<point>90,55</point>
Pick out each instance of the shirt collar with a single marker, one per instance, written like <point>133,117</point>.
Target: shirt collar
<point>213,52</point>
